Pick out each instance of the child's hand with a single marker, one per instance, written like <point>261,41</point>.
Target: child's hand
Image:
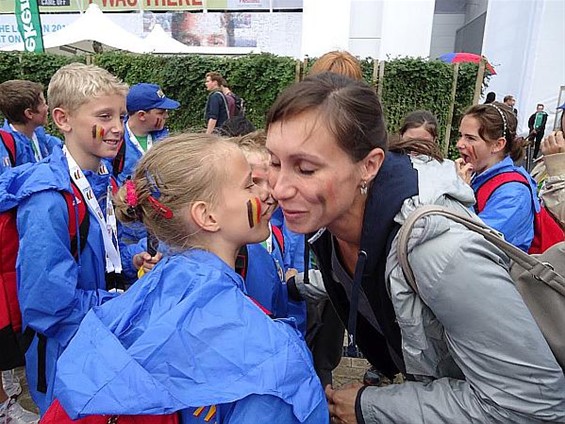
<point>553,143</point>
<point>291,272</point>
<point>144,261</point>
<point>464,170</point>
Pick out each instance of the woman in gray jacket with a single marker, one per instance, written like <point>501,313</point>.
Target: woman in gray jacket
<point>467,342</point>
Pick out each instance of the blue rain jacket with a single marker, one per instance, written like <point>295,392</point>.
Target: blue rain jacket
<point>4,158</point>
<point>512,207</point>
<point>54,290</point>
<point>294,258</point>
<point>24,150</point>
<point>186,336</point>
<point>132,233</point>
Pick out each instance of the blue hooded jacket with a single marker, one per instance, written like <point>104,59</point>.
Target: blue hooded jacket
<point>186,336</point>
<point>55,291</point>
<point>512,207</point>
<point>24,150</point>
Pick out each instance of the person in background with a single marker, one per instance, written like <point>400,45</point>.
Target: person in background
<point>466,338</point>
<point>510,101</point>
<point>217,109</point>
<point>536,124</point>
<point>25,110</point>
<point>239,365</point>
<point>491,97</point>
<point>488,147</point>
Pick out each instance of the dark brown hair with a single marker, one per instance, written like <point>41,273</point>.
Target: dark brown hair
<point>18,95</point>
<point>215,76</point>
<point>420,118</point>
<point>349,108</point>
<point>496,120</point>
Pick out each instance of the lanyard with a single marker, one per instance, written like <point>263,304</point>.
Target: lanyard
<point>136,143</point>
<point>268,244</point>
<point>108,224</point>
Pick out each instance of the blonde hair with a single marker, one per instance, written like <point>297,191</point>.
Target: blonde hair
<point>252,142</point>
<point>185,169</point>
<point>75,84</point>
<point>338,62</point>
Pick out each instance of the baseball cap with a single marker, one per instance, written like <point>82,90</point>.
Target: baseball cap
<point>146,96</point>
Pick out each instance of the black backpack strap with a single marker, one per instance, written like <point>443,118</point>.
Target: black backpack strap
<point>119,161</point>
<point>241,261</point>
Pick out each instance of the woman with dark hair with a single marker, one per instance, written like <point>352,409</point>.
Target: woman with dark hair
<point>418,134</point>
<point>506,194</point>
<point>467,340</point>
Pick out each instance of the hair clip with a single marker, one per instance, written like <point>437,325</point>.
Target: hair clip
<point>161,209</point>
<point>131,194</point>
<point>502,116</point>
<point>153,188</point>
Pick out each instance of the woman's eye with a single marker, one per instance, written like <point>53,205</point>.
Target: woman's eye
<point>306,171</point>
<point>274,164</point>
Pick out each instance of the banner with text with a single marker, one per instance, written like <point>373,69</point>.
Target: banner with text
<point>55,6</point>
<point>29,24</point>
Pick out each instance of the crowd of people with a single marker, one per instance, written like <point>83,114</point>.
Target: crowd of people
<point>209,277</point>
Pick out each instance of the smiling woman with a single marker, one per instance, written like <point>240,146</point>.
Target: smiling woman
<point>335,180</point>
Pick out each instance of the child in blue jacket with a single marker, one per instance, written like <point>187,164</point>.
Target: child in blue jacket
<point>187,337</point>
<point>55,289</point>
<point>23,105</point>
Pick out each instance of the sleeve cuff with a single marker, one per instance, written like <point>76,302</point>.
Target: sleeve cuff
<point>358,409</point>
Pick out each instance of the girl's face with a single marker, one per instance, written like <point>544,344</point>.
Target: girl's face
<point>244,208</point>
<point>314,181</point>
<point>419,133</point>
<point>476,150</point>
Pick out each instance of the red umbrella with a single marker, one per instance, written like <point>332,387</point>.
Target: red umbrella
<point>465,57</point>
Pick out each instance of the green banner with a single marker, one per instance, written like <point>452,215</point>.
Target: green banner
<point>29,24</point>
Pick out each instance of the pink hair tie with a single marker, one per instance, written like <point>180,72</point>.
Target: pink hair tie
<point>131,194</point>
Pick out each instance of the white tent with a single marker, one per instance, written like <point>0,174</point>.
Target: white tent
<point>158,41</point>
<point>79,35</point>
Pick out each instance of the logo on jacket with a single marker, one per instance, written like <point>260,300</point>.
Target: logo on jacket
<point>207,417</point>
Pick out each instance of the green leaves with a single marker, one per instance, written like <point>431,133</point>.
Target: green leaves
<point>409,84</point>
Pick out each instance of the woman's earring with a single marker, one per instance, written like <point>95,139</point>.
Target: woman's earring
<point>363,188</point>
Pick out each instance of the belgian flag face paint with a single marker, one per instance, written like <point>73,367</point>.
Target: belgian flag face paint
<point>98,132</point>
<point>253,211</point>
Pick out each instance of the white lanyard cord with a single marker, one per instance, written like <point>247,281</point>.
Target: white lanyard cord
<point>108,224</point>
<point>135,141</point>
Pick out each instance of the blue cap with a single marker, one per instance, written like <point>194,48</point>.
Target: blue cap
<point>146,96</point>
<point>561,107</point>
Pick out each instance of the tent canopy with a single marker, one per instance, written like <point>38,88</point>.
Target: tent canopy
<point>83,34</point>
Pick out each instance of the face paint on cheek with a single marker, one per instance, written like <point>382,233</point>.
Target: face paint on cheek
<point>253,211</point>
<point>472,153</point>
<point>98,132</point>
<point>159,123</point>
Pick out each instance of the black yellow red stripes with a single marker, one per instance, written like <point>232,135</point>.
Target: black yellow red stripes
<point>253,211</point>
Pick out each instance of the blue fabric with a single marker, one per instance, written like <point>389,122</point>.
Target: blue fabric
<point>24,150</point>
<point>512,207</point>
<point>184,336</point>
<point>265,279</point>
<point>294,258</point>
<point>55,292</point>
<point>5,162</point>
<point>216,108</point>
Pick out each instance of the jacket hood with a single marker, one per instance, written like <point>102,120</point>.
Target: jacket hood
<point>17,184</point>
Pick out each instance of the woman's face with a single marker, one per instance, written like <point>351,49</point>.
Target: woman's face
<point>474,149</point>
<point>312,178</point>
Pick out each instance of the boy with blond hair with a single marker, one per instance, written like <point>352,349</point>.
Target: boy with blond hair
<point>60,278</point>
<point>25,111</point>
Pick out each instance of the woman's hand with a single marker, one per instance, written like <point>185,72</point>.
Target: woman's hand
<point>342,403</point>
<point>464,170</point>
<point>553,143</point>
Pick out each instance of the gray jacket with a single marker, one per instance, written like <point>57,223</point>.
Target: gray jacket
<point>470,340</point>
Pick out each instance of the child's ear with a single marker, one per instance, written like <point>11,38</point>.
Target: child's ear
<point>141,115</point>
<point>28,114</point>
<point>61,119</point>
<point>499,145</point>
<point>202,216</point>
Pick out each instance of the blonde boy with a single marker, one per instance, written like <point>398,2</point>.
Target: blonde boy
<point>60,278</point>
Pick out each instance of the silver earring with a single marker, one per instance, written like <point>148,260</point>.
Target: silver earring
<point>363,188</point>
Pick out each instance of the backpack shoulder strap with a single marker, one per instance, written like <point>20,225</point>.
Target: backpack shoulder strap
<point>485,191</point>
<point>10,143</point>
<point>119,161</point>
<point>78,212</point>
<point>241,261</point>
<point>541,271</point>
<point>277,232</point>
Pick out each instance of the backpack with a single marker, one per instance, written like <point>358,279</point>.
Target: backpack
<point>538,278</point>
<point>239,104</point>
<point>547,231</point>
<point>242,259</point>
<point>10,145</point>
<point>11,355</point>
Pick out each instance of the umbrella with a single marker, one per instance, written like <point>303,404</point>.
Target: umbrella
<point>465,57</point>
